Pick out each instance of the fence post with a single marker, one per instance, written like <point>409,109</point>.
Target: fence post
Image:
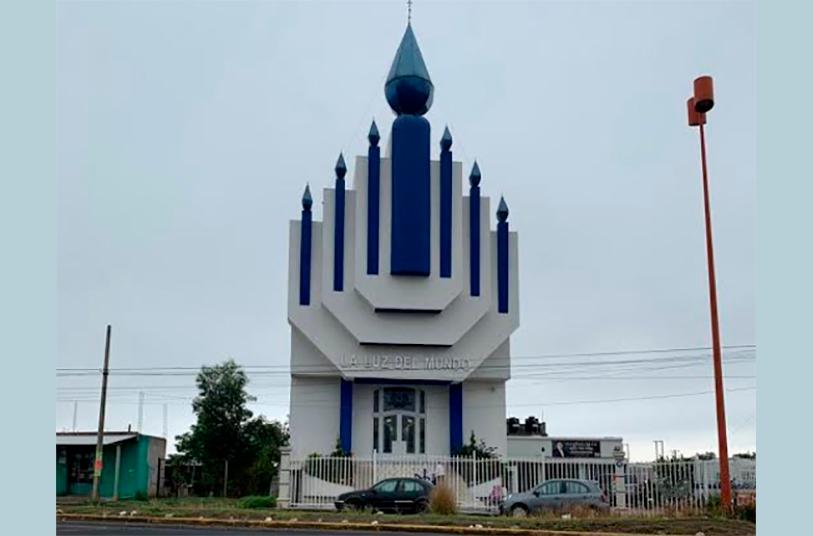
<point>375,469</point>
<point>474,468</point>
<point>620,485</point>
<point>284,498</point>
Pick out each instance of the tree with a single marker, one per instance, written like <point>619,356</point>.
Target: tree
<point>476,448</point>
<point>746,455</point>
<point>226,431</point>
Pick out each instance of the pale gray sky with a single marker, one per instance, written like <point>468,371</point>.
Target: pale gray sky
<point>187,130</point>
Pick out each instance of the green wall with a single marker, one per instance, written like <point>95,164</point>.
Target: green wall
<point>134,472</point>
<point>61,472</point>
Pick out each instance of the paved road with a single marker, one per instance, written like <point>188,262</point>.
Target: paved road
<point>82,528</point>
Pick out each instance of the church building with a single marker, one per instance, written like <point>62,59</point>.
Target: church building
<point>403,299</point>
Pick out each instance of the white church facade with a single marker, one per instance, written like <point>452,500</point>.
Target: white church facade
<point>403,299</point>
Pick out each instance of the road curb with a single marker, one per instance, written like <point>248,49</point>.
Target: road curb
<point>321,525</point>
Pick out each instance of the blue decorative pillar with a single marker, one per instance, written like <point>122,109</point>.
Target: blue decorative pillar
<point>409,92</point>
<point>446,204</point>
<point>305,248</point>
<point>474,229</point>
<point>346,416</point>
<point>411,213</point>
<point>373,199</point>
<point>455,417</point>
<point>502,257</point>
<point>338,227</point>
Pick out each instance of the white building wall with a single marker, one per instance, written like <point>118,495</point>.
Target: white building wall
<point>437,421</point>
<point>363,419</point>
<point>484,413</point>
<point>314,419</point>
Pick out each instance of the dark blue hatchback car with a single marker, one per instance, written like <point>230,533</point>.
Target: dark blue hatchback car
<point>390,495</point>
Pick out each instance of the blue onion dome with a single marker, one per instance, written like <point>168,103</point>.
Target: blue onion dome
<point>307,200</point>
<point>408,88</point>
<point>502,210</point>
<point>446,139</point>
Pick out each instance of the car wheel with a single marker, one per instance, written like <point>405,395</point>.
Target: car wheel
<point>421,506</point>
<point>519,511</point>
<point>356,506</point>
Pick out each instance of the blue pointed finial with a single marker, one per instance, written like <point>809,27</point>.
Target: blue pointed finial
<point>408,88</point>
<point>474,176</point>
<point>373,136</point>
<point>307,200</point>
<point>446,139</point>
<point>502,210</point>
<point>341,167</point>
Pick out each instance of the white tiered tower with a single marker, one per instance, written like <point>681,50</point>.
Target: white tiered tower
<point>402,300</point>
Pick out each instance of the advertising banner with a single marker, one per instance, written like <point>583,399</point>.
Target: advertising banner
<point>576,448</point>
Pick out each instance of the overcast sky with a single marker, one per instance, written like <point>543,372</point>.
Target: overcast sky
<point>187,131</point>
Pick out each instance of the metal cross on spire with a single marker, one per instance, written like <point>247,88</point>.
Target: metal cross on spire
<point>409,11</point>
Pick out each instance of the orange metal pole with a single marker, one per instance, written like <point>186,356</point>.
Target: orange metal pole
<point>719,393</point>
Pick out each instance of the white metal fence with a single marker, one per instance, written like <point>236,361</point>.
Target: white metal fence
<point>481,484</point>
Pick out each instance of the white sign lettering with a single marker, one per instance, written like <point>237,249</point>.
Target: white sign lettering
<point>403,362</point>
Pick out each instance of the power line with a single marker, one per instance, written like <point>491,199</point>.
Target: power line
<point>264,371</point>
<point>329,403</point>
<point>541,356</point>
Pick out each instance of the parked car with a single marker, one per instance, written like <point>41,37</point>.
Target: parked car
<point>392,494</point>
<point>559,494</point>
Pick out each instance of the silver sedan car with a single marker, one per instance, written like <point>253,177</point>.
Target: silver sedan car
<point>556,495</point>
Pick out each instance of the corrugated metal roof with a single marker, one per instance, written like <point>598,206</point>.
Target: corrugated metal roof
<point>90,439</point>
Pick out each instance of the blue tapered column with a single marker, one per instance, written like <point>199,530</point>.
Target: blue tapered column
<point>346,417</point>
<point>474,229</point>
<point>411,216</point>
<point>446,204</point>
<point>373,199</point>
<point>338,227</point>
<point>502,257</point>
<point>455,417</point>
<point>305,248</point>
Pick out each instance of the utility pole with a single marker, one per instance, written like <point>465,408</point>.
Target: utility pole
<point>165,420</point>
<point>140,412</point>
<point>75,411</point>
<point>97,465</point>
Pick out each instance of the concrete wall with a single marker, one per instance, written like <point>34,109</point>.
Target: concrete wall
<point>484,413</point>
<point>542,447</point>
<point>314,418</point>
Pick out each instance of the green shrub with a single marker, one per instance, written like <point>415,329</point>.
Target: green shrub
<point>141,496</point>
<point>748,513</point>
<point>257,501</point>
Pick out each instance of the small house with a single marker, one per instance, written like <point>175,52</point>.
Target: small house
<point>131,464</point>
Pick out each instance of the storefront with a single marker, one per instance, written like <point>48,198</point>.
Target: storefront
<point>131,464</point>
